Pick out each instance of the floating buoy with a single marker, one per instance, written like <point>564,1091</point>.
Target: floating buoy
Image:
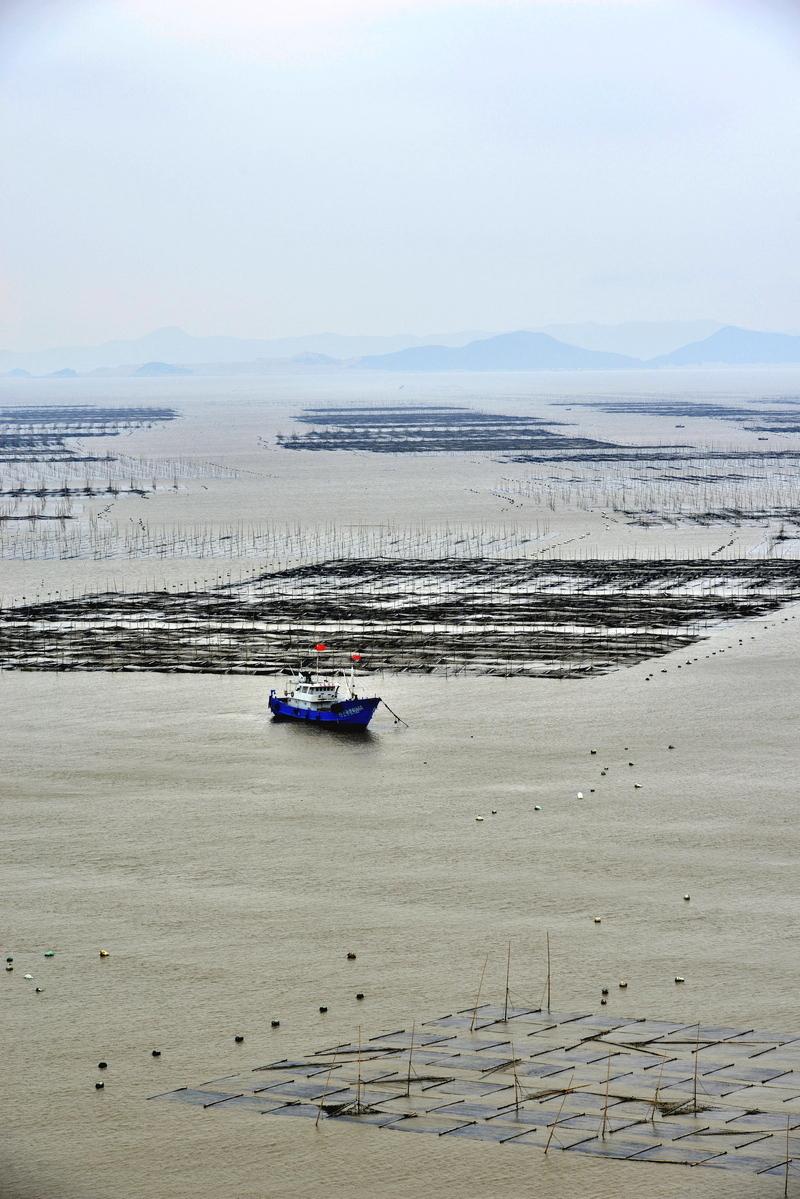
<point>579,795</point>
<point>238,1038</point>
<point>351,957</point>
<point>687,897</point>
<point>276,1023</point>
<point>102,1065</point>
<point>98,1086</point>
<point>156,1052</point>
<point>598,919</point>
<point>103,953</point>
<point>323,1008</point>
<point>360,995</point>
<point>679,978</point>
<point>623,984</point>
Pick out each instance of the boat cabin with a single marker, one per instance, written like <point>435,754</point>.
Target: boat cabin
<point>315,692</point>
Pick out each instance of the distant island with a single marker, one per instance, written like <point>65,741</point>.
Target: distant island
<point>151,370</point>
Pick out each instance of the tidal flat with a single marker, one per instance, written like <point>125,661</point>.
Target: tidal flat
<point>229,865</point>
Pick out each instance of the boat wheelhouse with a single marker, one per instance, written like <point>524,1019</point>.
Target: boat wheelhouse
<point>315,700</point>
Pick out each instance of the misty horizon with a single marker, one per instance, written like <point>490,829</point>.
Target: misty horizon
<point>397,165</point>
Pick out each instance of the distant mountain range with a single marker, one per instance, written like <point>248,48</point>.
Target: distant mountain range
<point>729,346</point>
<point>181,354</point>
<point>176,346</point>
<point>732,346</point>
<point>508,352</point>
<point>637,339</point>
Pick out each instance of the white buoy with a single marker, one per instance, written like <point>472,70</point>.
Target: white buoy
<point>579,795</point>
<point>28,976</point>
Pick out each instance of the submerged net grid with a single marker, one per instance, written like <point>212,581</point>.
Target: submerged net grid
<point>608,1086</point>
<point>533,617</point>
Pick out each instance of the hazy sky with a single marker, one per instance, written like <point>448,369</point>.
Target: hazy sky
<point>277,167</point>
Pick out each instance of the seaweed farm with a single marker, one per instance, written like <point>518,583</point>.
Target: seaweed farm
<point>670,487</point>
<point>611,1087</point>
<point>46,471</point>
<point>425,429</point>
<point>756,420</point>
<point>47,475</point>
<point>53,432</point>
<point>276,543</point>
<point>483,616</point>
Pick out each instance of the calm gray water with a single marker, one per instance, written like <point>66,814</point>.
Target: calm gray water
<point>228,865</point>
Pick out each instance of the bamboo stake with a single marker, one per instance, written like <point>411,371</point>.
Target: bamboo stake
<point>508,972</point>
<point>410,1052</point>
<point>560,1110</point>
<point>548,972</point>
<point>327,1084</point>
<point>478,996</point>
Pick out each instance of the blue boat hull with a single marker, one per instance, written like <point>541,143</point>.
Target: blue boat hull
<point>343,714</point>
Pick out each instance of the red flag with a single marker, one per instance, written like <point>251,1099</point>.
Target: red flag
<point>320,647</point>
<point>355,657</point>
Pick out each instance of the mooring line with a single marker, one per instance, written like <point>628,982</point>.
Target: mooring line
<point>397,718</point>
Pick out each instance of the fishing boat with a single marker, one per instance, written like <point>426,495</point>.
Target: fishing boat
<point>315,700</point>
